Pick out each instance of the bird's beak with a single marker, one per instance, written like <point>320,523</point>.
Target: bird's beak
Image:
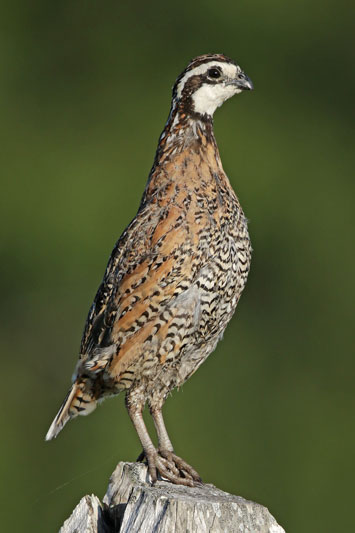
<point>242,82</point>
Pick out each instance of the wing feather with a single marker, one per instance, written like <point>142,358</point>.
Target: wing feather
<point>146,273</point>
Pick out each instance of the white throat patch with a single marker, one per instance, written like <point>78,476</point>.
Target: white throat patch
<point>208,97</point>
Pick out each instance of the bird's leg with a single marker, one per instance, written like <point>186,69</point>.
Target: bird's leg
<point>163,437</point>
<point>147,444</point>
<point>157,463</point>
<point>166,449</point>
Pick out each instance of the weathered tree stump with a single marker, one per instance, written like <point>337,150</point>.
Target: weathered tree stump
<point>133,505</point>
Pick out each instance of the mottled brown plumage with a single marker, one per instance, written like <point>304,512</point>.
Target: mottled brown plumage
<point>175,275</point>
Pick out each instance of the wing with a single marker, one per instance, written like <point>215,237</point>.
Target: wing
<point>148,289</point>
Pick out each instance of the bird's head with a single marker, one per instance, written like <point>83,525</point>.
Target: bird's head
<point>206,83</point>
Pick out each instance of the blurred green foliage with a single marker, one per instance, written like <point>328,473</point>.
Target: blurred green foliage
<point>85,92</point>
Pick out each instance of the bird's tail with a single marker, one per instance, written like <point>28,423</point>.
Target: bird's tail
<point>78,401</point>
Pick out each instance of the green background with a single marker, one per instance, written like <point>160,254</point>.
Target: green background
<point>84,94</point>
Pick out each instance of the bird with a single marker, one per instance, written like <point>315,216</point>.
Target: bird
<point>175,275</point>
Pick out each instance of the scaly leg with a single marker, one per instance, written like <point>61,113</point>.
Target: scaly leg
<point>163,437</point>
<point>156,462</point>
<point>166,450</point>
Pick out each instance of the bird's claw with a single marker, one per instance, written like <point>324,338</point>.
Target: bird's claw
<point>171,467</point>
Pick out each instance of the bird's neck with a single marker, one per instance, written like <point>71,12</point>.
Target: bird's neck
<point>186,145</point>
<point>185,132</point>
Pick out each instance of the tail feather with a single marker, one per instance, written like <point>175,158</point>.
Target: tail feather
<point>78,401</point>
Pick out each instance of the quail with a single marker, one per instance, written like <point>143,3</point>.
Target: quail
<point>175,275</point>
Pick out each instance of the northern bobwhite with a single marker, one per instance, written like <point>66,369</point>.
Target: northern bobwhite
<point>175,275</point>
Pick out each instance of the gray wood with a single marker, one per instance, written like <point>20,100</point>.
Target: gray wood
<point>88,517</point>
<point>133,505</point>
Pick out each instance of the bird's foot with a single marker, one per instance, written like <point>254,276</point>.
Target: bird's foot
<point>181,466</point>
<point>170,467</point>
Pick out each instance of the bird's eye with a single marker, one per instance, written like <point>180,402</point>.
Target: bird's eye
<point>214,73</point>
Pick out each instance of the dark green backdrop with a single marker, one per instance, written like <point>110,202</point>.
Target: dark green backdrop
<point>85,92</point>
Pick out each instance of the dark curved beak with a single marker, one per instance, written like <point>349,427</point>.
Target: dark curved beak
<point>242,82</point>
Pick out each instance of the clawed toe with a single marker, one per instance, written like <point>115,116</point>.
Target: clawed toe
<point>181,465</point>
<point>171,467</point>
<point>184,474</point>
<point>184,467</point>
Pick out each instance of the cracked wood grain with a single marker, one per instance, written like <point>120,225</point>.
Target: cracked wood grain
<point>133,505</point>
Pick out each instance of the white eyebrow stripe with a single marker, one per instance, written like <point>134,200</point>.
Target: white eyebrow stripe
<point>227,68</point>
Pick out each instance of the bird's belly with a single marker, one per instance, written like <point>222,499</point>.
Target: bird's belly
<point>220,285</point>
